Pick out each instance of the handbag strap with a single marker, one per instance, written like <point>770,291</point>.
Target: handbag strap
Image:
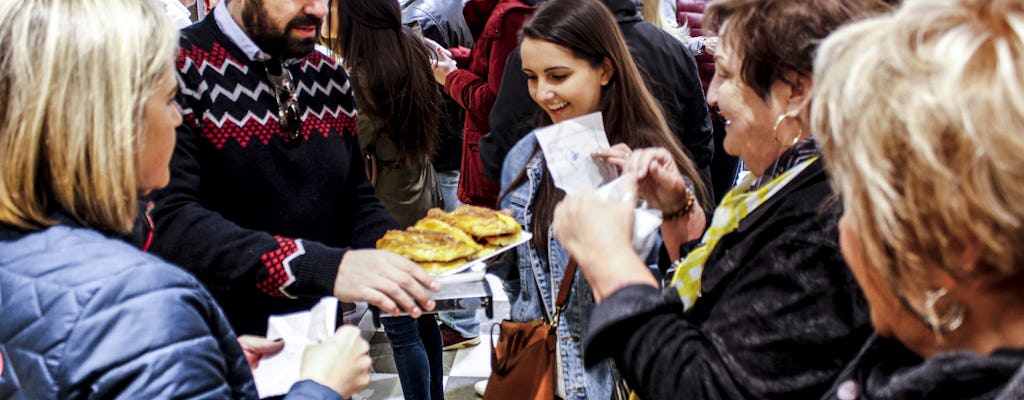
<point>563,290</point>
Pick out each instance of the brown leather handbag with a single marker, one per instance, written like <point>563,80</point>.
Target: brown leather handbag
<point>523,360</point>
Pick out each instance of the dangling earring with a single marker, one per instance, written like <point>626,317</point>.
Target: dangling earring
<point>948,322</point>
<point>775,130</point>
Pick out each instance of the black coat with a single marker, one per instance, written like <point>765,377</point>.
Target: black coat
<point>779,315</point>
<point>442,22</point>
<point>885,370</point>
<point>669,69</point>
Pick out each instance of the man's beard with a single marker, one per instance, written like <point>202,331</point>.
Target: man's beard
<point>277,43</point>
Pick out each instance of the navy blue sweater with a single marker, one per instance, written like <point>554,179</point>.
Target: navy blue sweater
<point>262,222</point>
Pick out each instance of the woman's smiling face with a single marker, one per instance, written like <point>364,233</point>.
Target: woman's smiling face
<point>564,85</point>
<point>749,134</point>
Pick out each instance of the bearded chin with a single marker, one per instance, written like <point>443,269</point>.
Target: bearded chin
<point>271,40</point>
<point>282,46</point>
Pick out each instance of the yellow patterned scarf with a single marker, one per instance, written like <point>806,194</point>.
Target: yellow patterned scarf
<point>735,206</point>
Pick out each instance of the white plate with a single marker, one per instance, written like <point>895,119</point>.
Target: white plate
<point>523,237</point>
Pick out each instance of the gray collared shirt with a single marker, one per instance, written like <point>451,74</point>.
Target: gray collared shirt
<point>227,24</point>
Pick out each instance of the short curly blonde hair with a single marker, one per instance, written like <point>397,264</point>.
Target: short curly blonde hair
<point>920,115</point>
<point>74,76</point>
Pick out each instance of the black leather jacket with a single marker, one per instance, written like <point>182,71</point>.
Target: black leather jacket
<point>779,315</point>
<point>886,370</point>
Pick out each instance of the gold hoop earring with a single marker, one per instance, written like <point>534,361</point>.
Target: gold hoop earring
<point>948,322</point>
<point>775,131</point>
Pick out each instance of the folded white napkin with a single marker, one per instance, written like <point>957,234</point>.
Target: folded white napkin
<point>277,373</point>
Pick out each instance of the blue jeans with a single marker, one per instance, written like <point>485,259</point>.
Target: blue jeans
<point>416,345</point>
<point>448,181</point>
<point>464,322</point>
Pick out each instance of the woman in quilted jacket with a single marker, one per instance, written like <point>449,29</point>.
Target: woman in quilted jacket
<point>87,121</point>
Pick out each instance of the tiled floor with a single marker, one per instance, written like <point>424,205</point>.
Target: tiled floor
<point>462,368</point>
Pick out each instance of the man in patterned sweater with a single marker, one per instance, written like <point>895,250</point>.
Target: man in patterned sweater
<point>268,201</point>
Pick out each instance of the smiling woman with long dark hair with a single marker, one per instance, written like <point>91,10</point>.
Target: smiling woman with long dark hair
<point>576,62</point>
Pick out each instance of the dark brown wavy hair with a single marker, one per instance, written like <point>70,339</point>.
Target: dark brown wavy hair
<point>392,65</point>
<point>779,37</point>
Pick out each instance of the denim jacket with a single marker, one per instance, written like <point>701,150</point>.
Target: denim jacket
<point>539,276</point>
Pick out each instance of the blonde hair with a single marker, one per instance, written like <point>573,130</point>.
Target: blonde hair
<point>74,77</point>
<point>651,12</point>
<point>920,117</point>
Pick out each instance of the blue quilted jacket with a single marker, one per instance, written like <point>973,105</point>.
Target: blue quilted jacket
<point>86,316</point>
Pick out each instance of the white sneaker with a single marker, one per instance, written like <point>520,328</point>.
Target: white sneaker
<point>480,387</point>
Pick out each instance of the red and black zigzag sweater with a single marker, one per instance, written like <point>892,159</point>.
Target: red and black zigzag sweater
<point>257,219</point>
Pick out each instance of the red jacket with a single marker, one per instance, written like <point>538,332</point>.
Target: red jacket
<point>476,87</point>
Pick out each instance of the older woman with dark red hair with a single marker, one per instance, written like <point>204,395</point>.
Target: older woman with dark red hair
<point>763,306</point>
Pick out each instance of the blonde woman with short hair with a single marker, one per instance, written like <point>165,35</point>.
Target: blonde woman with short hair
<point>87,120</point>
<point>921,118</point>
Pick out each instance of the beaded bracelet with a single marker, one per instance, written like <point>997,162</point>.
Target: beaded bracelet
<point>672,216</point>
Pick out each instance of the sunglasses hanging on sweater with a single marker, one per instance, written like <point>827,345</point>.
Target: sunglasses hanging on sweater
<point>287,102</point>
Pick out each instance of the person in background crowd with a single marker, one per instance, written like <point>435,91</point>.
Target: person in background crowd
<point>495,25</point>
<point>576,63</point>
<point>86,315</point>
<point>397,99</point>
<point>669,72</point>
<point>209,5</point>
<point>442,22</point>
<point>666,10</point>
<point>269,203</point>
<point>398,105</point>
<point>704,45</point>
<point>659,13</point>
<point>930,177</point>
<point>764,306</point>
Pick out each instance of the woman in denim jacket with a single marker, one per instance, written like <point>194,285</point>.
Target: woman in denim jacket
<point>576,63</point>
